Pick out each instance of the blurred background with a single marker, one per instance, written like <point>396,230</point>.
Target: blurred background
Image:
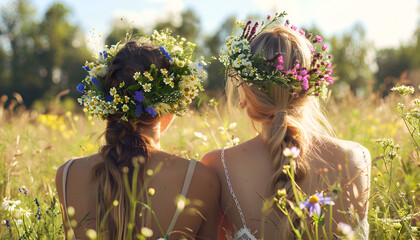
<point>43,43</point>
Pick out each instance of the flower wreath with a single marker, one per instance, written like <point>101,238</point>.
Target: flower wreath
<point>157,92</point>
<point>236,56</point>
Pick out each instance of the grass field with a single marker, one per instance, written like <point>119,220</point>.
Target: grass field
<point>33,145</point>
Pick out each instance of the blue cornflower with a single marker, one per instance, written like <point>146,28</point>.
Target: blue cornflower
<point>151,111</point>
<point>96,82</point>
<point>139,109</point>
<point>36,202</point>
<point>20,190</point>
<point>139,96</point>
<point>105,54</point>
<point>81,87</point>
<point>109,98</point>
<point>165,53</point>
<point>7,223</point>
<point>313,204</point>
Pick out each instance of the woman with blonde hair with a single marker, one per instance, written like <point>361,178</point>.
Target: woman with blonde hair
<point>132,187</point>
<point>279,74</point>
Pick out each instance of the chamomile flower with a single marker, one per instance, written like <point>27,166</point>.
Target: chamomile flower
<point>147,87</point>
<point>167,80</point>
<point>136,75</point>
<point>164,71</point>
<point>113,91</point>
<point>125,108</point>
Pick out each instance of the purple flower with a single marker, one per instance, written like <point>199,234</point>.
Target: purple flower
<point>318,38</point>
<point>25,192</point>
<point>165,53</point>
<point>139,109</point>
<point>96,82</point>
<point>36,202</point>
<point>313,204</point>
<point>7,223</point>
<point>305,84</point>
<point>109,98</point>
<point>139,96</point>
<point>81,87</point>
<point>151,111</point>
<point>104,53</point>
<point>324,47</point>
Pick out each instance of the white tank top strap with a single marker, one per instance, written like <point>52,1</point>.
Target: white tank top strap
<point>65,173</point>
<point>184,191</point>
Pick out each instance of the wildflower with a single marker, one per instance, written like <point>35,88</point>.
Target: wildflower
<point>136,75</point>
<point>6,222</point>
<point>164,71</point>
<point>96,82</point>
<point>403,90</point>
<point>167,80</point>
<point>125,108</point>
<point>324,47</point>
<point>302,32</point>
<point>81,87</point>
<point>318,38</point>
<point>139,96</point>
<point>200,136</point>
<point>147,87</point>
<point>91,234</point>
<point>293,27</point>
<point>291,152</point>
<point>112,91</point>
<point>25,212</point>
<point>9,205</point>
<point>139,109</point>
<point>147,232</point>
<point>165,53</point>
<point>313,204</point>
<point>19,222</point>
<point>115,203</point>
<point>151,191</point>
<point>151,111</point>
<point>172,84</point>
<point>345,229</point>
<point>36,202</point>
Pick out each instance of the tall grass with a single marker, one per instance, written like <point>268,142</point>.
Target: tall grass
<point>34,145</point>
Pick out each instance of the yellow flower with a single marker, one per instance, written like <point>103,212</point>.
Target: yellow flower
<point>125,108</point>
<point>172,84</point>
<point>122,84</point>
<point>164,71</point>
<point>112,91</point>
<point>127,99</point>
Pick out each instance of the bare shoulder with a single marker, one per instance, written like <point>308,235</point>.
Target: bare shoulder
<point>212,159</point>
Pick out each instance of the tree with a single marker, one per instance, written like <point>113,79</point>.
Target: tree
<point>350,58</point>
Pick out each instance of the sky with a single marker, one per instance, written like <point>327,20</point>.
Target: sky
<point>388,22</point>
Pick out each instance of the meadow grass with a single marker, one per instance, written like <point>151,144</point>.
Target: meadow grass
<point>34,145</point>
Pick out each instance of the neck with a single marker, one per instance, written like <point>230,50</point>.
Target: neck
<point>153,132</point>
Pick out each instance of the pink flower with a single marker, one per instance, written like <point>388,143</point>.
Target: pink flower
<point>280,67</point>
<point>293,27</point>
<point>324,47</point>
<point>280,59</point>
<point>329,65</point>
<point>329,71</point>
<point>268,17</point>
<point>303,72</point>
<point>297,66</point>
<point>318,38</point>
<point>302,32</point>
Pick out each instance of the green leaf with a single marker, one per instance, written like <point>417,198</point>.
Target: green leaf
<point>134,87</point>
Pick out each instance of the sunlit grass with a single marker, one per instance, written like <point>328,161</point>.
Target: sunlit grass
<point>34,145</point>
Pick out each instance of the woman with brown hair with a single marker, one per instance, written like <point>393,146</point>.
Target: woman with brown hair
<point>137,87</point>
<point>279,75</point>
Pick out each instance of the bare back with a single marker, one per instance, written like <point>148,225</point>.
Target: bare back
<point>250,170</point>
<point>197,221</point>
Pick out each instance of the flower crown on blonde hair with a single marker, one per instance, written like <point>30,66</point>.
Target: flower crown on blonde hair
<point>157,92</point>
<point>256,70</point>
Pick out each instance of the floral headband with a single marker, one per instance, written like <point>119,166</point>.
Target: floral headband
<point>157,92</point>
<point>255,69</point>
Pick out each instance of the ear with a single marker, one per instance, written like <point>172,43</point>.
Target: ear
<point>165,121</point>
